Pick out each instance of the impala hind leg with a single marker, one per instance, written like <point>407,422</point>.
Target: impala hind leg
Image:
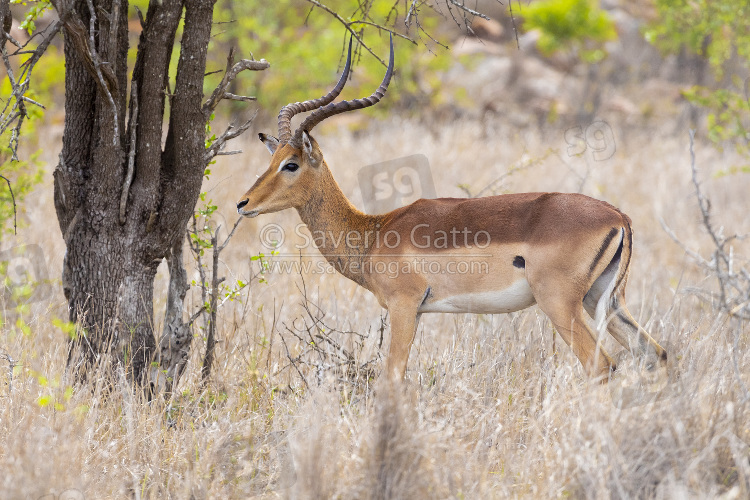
<point>567,316</point>
<point>606,305</point>
<point>621,324</point>
<point>631,335</point>
<point>404,322</point>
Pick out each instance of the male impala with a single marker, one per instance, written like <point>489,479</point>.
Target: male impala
<point>564,252</point>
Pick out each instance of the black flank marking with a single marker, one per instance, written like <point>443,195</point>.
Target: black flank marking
<point>618,253</point>
<point>610,236</point>
<point>519,262</point>
<point>624,270</point>
<point>427,294</point>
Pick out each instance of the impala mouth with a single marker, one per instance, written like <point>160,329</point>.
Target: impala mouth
<point>249,213</point>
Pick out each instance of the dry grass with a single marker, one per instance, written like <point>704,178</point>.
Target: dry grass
<point>495,406</point>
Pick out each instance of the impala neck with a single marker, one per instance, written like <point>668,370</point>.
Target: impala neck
<point>343,234</point>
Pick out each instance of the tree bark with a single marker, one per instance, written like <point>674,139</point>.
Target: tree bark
<point>6,21</point>
<point>174,345</point>
<point>110,262</point>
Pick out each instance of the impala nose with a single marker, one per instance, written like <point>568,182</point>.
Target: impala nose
<point>242,204</point>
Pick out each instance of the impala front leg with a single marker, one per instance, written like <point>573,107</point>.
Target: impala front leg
<point>404,322</point>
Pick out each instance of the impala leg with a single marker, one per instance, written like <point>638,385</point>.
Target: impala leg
<point>404,322</point>
<point>630,334</point>
<point>575,331</point>
<point>625,329</point>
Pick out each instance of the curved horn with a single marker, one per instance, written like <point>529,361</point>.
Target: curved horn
<point>288,111</point>
<point>328,110</point>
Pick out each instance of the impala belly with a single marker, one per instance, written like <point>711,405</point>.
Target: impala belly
<point>513,298</point>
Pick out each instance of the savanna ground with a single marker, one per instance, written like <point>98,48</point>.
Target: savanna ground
<point>494,406</point>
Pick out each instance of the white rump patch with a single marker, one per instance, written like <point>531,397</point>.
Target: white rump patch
<point>609,279</point>
<point>514,298</point>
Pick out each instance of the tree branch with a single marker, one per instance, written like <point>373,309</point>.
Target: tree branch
<point>734,285</point>
<point>231,233</point>
<point>231,72</point>
<point>468,10</point>
<point>131,153</point>
<point>107,87</point>
<point>14,112</point>
<point>358,35</point>
<point>13,199</point>
<point>174,344</point>
<point>413,13</point>
<point>151,72</point>
<point>82,40</point>
<point>214,294</point>
<point>230,133</point>
<point>12,363</point>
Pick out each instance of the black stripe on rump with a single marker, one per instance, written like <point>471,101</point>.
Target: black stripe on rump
<point>610,236</point>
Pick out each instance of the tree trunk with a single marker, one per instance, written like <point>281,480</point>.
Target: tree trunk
<point>123,201</point>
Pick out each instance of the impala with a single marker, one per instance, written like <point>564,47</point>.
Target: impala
<point>565,252</point>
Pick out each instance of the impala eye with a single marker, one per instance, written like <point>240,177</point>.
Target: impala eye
<point>290,167</point>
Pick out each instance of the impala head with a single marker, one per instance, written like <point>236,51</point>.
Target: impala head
<point>297,162</point>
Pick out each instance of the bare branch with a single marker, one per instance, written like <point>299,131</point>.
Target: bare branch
<point>387,30</point>
<point>175,340</point>
<point>214,294</point>
<point>32,101</point>
<point>14,112</point>
<point>13,199</point>
<point>733,297</point>
<point>80,38</point>
<point>513,21</point>
<point>196,314</point>
<point>230,133</point>
<point>324,350</point>
<point>358,35</point>
<point>229,153</point>
<point>140,18</point>
<point>114,21</point>
<point>196,249</point>
<point>694,255</point>
<point>12,363</point>
<point>234,97</point>
<point>467,9</point>
<point>413,14</point>
<point>231,233</point>
<point>98,69</point>
<point>410,13</point>
<point>231,72</point>
<point>131,154</point>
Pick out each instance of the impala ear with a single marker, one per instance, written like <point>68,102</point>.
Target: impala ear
<point>270,141</point>
<point>311,150</point>
<point>307,144</point>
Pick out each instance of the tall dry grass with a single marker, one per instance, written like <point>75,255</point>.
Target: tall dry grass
<point>494,406</point>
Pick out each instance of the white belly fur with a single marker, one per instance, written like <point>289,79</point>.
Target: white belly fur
<point>514,298</point>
